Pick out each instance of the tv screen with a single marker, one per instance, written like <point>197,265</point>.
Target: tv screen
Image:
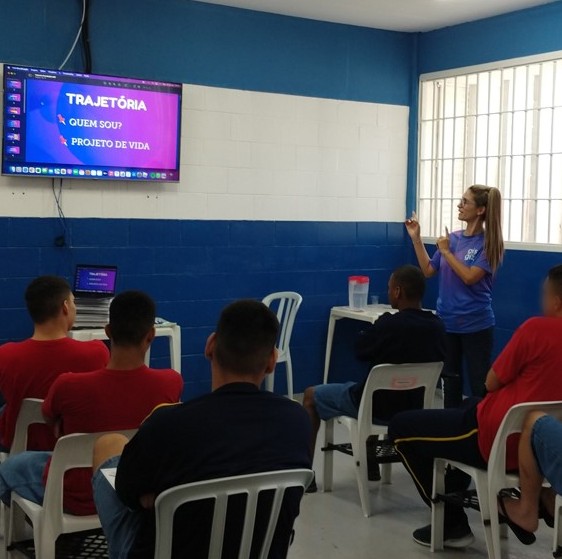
<point>68,125</point>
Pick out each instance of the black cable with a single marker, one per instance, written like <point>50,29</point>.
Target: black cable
<point>86,40</point>
<point>60,240</point>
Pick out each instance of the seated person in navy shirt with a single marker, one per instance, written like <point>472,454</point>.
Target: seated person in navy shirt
<point>237,429</point>
<point>411,335</point>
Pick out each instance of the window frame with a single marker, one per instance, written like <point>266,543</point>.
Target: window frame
<point>476,68</point>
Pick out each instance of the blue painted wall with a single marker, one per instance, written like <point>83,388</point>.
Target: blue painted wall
<point>521,33</point>
<point>194,268</point>
<point>200,43</point>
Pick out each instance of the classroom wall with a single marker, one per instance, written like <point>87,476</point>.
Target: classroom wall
<point>522,33</point>
<point>293,169</point>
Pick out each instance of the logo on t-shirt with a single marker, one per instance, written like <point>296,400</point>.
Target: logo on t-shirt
<point>471,255</point>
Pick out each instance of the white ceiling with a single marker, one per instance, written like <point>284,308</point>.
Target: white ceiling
<point>397,15</point>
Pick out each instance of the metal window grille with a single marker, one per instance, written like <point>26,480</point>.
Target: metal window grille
<point>500,127</point>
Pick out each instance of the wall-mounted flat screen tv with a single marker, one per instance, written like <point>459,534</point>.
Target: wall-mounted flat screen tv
<point>67,125</point>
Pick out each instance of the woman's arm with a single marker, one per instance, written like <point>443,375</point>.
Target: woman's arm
<point>468,274</point>
<point>413,228</point>
<point>493,383</point>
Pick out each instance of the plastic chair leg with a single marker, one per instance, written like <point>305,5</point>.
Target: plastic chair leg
<point>489,513</point>
<point>557,543</point>
<point>359,448</point>
<point>386,473</point>
<point>438,509</point>
<point>289,367</point>
<point>328,455</point>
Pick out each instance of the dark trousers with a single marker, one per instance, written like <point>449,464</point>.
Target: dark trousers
<point>471,353</point>
<point>422,435</point>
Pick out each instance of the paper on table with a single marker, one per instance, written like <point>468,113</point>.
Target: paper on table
<point>110,474</point>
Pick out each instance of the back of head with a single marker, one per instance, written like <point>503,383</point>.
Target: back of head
<point>554,279</point>
<point>245,337</point>
<point>45,296</point>
<point>411,281</point>
<point>131,318</point>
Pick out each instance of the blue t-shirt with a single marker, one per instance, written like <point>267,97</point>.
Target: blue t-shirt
<point>464,308</point>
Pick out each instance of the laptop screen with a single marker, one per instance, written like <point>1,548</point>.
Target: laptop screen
<point>95,281</point>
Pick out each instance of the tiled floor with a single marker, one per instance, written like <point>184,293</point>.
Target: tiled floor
<point>332,525</point>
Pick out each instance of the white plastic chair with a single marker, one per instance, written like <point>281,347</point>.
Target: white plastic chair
<point>488,482</point>
<point>408,376</point>
<point>49,520</point>
<point>30,413</point>
<point>289,303</point>
<point>221,490</point>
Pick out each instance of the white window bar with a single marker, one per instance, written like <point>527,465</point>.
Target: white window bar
<point>499,125</point>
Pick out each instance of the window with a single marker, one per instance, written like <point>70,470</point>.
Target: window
<point>500,127</point>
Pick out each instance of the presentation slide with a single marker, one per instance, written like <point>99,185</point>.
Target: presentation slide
<point>85,124</point>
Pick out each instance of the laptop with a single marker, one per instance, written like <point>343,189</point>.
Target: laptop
<point>95,281</point>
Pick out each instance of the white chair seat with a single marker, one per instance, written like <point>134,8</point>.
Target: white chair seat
<point>409,376</point>
<point>49,520</point>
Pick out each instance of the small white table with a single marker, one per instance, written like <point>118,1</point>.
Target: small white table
<point>370,315</point>
<point>169,330</point>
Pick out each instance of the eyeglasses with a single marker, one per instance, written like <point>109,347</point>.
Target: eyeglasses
<point>466,202</point>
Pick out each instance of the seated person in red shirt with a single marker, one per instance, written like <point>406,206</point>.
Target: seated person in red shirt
<point>237,429</point>
<point>116,397</point>
<point>527,370</point>
<point>411,335</point>
<point>29,368</point>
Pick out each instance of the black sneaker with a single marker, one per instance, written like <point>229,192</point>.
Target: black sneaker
<point>312,488</point>
<point>458,537</point>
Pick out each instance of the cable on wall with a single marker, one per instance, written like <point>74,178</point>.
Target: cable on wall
<point>60,240</point>
<point>86,38</point>
<point>78,33</point>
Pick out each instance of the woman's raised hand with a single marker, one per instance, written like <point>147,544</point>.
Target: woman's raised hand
<point>413,226</point>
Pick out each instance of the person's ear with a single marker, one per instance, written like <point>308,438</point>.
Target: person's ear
<point>272,361</point>
<point>65,307</point>
<point>151,335</point>
<point>210,346</point>
<point>107,330</point>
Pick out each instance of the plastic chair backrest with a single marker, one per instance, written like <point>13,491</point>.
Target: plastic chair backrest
<point>220,490</point>
<point>407,376</point>
<point>513,423</point>
<point>289,304</point>
<point>30,414</point>
<point>71,451</point>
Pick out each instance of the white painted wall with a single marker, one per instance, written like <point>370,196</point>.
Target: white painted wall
<point>254,156</point>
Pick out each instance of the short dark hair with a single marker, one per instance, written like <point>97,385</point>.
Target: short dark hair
<point>411,280</point>
<point>555,278</point>
<point>131,317</point>
<point>44,297</point>
<point>245,337</point>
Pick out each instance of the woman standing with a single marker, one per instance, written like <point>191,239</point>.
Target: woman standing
<point>466,262</point>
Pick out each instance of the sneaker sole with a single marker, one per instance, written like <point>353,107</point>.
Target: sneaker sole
<point>458,543</point>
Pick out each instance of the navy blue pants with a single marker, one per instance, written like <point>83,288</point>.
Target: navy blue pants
<point>422,435</point>
<point>468,356</point>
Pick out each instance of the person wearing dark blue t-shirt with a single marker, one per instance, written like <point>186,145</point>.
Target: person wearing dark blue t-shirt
<point>237,429</point>
<point>411,335</point>
<point>466,262</point>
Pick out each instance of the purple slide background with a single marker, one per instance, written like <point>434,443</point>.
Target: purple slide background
<point>88,282</point>
<point>158,126</point>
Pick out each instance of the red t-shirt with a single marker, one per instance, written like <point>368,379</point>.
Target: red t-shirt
<point>105,400</point>
<point>529,369</point>
<point>27,370</point>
